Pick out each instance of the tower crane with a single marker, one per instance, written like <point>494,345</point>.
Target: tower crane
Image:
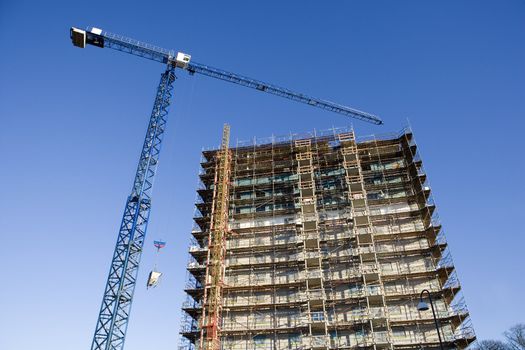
<point>110,331</point>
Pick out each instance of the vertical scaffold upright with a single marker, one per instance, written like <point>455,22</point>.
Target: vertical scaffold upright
<point>214,278</point>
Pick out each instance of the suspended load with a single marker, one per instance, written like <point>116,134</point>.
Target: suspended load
<point>153,279</point>
<point>159,245</point>
<point>154,275</point>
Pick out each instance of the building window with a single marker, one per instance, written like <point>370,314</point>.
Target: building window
<point>394,309</point>
<point>398,332</point>
<point>360,333</point>
<point>259,341</point>
<point>244,195</point>
<point>294,341</point>
<point>317,316</point>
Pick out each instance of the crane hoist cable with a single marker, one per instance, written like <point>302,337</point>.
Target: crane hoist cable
<point>155,275</point>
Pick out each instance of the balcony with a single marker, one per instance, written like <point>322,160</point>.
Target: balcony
<point>311,238</point>
<point>370,272</point>
<point>195,266</point>
<point>197,231</point>
<point>304,169</point>
<point>408,269</point>
<point>381,338</point>
<point>403,290</point>
<point>377,314</point>
<point>196,248</point>
<point>191,304</point>
<point>315,342</point>
<point>313,259</point>
<point>314,277</point>
<point>317,319</point>
<point>364,234</point>
<point>309,217</point>
<point>316,297</point>
<point>358,199</point>
<point>367,252</point>
<point>343,274</point>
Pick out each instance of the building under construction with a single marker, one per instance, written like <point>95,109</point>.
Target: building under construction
<point>319,241</point>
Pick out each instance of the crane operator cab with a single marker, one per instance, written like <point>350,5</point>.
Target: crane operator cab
<point>81,37</point>
<point>182,60</point>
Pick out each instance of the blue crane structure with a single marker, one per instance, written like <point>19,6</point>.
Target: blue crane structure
<point>110,331</point>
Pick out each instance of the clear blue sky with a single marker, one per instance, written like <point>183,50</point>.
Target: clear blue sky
<point>72,123</point>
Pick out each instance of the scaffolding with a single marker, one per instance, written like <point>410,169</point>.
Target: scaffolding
<point>210,322</point>
<point>332,239</point>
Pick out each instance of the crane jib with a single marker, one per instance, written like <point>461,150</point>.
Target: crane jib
<point>97,37</point>
<point>283,92</point>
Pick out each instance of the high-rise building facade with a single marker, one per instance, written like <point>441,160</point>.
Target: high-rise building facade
<point>319,241</point>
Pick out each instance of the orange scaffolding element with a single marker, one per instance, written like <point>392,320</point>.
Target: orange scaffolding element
<point>214,279</point>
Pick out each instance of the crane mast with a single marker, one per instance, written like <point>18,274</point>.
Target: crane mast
<point>112,322</point>
<point>110,331</point>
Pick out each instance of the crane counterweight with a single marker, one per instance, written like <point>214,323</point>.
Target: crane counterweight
<point>78,36</point>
